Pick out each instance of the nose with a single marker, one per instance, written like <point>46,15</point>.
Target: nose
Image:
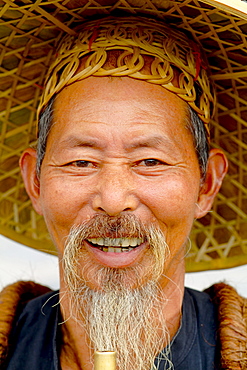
<point>115,193</point>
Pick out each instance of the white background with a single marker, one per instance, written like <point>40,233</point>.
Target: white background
<point>18,262</point>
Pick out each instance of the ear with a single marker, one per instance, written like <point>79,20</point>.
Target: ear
<point>216,170</point>
<point>28,170</point>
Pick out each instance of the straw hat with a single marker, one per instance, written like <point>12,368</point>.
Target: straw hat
<point>29,33</point>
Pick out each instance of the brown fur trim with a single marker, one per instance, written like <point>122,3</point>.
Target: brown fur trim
<point>232,331</point>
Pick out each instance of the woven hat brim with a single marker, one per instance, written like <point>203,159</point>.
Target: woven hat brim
<point>29,34</point>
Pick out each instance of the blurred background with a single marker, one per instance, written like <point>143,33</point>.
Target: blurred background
<point>18,262</point>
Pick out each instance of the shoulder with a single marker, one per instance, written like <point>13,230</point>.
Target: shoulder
<point>199,306</point>
<point>231,318</point>
<point>194,346</point>
<point>33,340</point>
<point>40,306</point>
<point>197,295</point>
<point>28,311</point>
<point>201,301</point>
<point>38,311</point>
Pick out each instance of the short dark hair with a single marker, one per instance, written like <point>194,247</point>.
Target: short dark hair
<point>200,139</point>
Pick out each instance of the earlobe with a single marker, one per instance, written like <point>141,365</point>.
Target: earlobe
<point>216,171</point>
<point>28,170</point>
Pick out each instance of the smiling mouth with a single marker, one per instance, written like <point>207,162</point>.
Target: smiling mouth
<point>116,245</point>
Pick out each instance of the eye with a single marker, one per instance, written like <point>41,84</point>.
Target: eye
<point>151,162</point>
<point>81,163</point>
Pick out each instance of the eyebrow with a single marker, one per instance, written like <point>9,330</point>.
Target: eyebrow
<point>153,142</point>
<point>75,142</point>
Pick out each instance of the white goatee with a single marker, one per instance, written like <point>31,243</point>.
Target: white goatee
<point>116,316</point>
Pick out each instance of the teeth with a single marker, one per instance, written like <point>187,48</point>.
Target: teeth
<point>99,241</point>
<point>112,244</point>
<point>126,242</point>
<point>135,241</point>
<point>115,250</point>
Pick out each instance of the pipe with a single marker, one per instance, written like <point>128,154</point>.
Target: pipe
<point>104,360</point>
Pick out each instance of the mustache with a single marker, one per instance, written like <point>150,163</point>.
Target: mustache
<point>102,225</point>
<point>123,226</point>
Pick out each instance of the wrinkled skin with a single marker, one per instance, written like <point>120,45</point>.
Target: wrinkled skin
<point>121,146</point>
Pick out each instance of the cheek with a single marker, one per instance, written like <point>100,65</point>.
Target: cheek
<point>173,204</point>
<point>61,202</point>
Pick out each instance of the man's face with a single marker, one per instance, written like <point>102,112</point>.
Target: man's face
<point>120,146</point>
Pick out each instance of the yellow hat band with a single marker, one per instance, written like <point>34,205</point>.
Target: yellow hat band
<point>177,64</point>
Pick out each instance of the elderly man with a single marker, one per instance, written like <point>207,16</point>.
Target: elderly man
<point>120,174</point>
<point>121,171</point>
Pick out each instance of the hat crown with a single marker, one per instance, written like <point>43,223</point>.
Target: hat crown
<point>177,63</point>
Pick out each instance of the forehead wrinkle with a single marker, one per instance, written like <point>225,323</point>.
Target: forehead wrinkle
<point>73,141</point>
<point>142,112</point>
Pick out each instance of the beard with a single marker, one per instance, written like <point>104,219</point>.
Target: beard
<point>125,313</point>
